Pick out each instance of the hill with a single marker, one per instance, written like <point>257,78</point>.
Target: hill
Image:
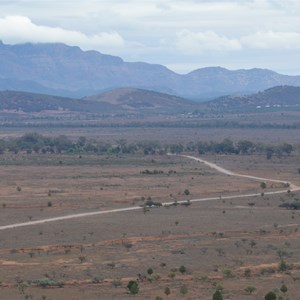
<point>138,100</point>
<point>120,101</point>
<point>62,70</point>
<point>279,97</point>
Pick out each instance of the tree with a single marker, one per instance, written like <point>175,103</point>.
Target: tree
<point>283,288</point>
<point>186,192</point>
<point>270,296</point>
<point>245,147</point>
<point>217,295</point>
<point>133,287</point>
<point>182,269</point>
<point>150,271</point>
<point>167,291</point>
<point>263,185</point>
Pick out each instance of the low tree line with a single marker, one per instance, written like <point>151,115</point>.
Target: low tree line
<point>37,143</point>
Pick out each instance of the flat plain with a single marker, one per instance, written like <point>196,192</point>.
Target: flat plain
<point>243,246</point>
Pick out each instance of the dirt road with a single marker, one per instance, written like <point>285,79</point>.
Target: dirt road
<point>290,186</point>
<point>230,173</point>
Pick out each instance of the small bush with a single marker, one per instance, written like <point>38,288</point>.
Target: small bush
<point>283,288</point>
<point>182,269</point>
<point>270,296</point>
<point>167,291</point>
<point>217,295</point>
<point>250,289</point>
<point>283,266</point>
<point>150,271</point>
<point>183,290</point>
<point>46,282</point>
<point>133,287</point>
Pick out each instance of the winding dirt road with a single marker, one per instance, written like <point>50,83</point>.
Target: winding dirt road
<point>230,173</point>
<point>291,186</point>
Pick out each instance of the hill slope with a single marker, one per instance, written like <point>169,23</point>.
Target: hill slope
<point>277,97</point>
<point>63,70</point>
<point>119,101</point>
<point>131,99</point>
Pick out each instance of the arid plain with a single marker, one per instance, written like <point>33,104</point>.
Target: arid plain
<point>234,244</point>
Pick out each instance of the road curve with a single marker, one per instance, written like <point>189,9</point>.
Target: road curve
<point>212,165</point>
<point>291,186</point>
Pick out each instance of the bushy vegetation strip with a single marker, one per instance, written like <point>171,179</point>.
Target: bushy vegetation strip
<point>36,143</point>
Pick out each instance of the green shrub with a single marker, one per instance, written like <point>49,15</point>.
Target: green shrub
<point>270,296</point>
<point>133,287</point>
<point>217,295</point>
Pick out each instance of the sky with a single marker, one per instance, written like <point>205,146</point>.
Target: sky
<point>183,35</point>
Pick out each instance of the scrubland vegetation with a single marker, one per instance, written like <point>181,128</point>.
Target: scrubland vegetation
<point>36,143</point>
<point>226,248</point>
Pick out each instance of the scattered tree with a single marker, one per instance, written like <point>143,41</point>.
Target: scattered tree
<point>182,269</point>
<point>133,287</point>
<point>167,291</point>
<point>283,288</point>
<point>270,296</point>
<point>217,295</point>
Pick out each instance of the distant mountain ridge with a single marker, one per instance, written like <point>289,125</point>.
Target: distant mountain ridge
<point>63,70</point>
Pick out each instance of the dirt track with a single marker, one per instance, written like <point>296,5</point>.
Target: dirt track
<point>290,186</point>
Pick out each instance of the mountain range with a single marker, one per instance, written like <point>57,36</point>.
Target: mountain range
<point>62,70</point>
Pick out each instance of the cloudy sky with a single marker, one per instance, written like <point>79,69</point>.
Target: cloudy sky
<point>181,34</point>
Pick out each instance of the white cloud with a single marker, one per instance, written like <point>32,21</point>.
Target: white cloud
<point>178,33</point>
<point>190,42</point>
<point>20,29</point>
<point>272,40</point>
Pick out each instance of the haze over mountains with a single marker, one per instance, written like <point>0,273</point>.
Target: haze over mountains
<point>62,70</point>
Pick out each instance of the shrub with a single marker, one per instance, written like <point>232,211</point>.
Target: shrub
<point>217,295</point>
<point>167,291</point>
<point>46,282</point>
<point>150,271</point>
<point>283,288</point>
<point>250,289</point>
<point>133,287</point>
<point>247,272</point>
<point>182,269</point>
<point>172,275</point>
<point>116,283</point>
<point>186,192</point>
<point>270,296</point>
<point>183,290</point>
<point>228,273</point>
<point>283,266</point>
